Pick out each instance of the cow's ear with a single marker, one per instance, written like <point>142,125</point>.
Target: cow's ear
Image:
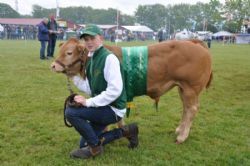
<point>80,47</point>
<point>61,44</point>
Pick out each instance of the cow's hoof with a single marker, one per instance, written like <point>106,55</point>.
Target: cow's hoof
<point>177,142</point>
<point>177,130</point>
<point>180,139</point>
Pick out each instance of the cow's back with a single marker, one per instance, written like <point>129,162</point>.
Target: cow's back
<point>178,61</point>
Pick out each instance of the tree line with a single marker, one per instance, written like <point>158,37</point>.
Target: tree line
<point>212,16</point>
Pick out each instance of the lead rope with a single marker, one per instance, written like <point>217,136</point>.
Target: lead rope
<point>65,103</point>
<point>69,86</point>
<point>72,94</point>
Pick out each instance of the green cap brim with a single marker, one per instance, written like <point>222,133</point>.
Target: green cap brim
<point>88,33</point>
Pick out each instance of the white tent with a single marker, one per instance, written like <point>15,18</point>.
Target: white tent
<point>184,35</point>
<point>1,28</point>
<point>242,38</point>
<point>222,33</point>
<point>138,28</point>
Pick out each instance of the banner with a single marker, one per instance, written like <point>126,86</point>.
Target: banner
<point>62,24</point>
<point>242,39</point>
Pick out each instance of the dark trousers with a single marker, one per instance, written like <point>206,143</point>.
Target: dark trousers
<point>51,46</point>
<point>91,122</point>
<point>42,49</point>
<point>209,44</point>
<point>160,39</point>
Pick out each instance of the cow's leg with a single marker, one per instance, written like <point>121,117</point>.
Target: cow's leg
<point>119,124</point>
<point>177,130</point>
<point>189,98</point>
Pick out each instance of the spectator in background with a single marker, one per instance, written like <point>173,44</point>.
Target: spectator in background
<point>8,28</point>
<point>248,26</point>
<point>112,38</point>
<point>34,32</point>
<point>209,39</point>
<point>43,36</point>
<point>52,26</point>
<point>1,32</point>
<point>160,35</point>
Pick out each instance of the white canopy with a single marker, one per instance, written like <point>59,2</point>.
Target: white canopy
<point>222,33</point>
<point>1,28</point>
<point>138,28</point>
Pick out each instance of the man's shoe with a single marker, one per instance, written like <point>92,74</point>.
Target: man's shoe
<point>87,152</point>
<point>49,57</point>
<point>131,132</point>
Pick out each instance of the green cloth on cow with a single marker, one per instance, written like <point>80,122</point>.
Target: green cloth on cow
<point>135,62</point>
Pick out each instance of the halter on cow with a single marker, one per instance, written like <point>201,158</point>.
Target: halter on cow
<point>185,64</point>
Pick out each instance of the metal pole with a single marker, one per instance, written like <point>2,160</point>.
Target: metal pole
<point>117,24</point>
<point>57,10</point>
<point>169,26</point>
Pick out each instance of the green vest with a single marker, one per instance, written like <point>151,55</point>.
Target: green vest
<point>95,75</point>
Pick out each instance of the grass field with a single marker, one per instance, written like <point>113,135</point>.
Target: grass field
<point>32,131</point>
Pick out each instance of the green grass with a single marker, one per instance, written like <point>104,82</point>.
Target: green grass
<point>32,131</point>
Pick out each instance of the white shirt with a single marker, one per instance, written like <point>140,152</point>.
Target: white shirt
<point>114,88</point>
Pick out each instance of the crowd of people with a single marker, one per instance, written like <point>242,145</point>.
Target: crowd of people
<point>127,36</point>
<point>14,32</point>
<point>48,32</point>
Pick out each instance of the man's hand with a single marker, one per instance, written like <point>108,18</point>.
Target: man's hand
<point>59,31</point>
<point>80,99</point>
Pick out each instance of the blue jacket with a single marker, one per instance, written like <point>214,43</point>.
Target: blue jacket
<point>43,32</point>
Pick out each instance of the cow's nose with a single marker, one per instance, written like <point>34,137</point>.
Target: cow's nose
<point>53,66</point>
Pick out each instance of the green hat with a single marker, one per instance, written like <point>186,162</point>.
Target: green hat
<point>92,30</point>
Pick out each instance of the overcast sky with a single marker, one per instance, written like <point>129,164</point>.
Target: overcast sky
<point>125,6</point>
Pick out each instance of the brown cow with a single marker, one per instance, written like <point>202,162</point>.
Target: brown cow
<point>186,64</point>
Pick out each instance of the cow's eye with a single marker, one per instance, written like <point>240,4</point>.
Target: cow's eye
<point>69,53</point>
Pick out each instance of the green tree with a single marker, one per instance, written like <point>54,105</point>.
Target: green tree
<point>234,12</point>
<point>39,12</point>
<point>7,12</point>
<point>153,16</point>
<point>212,16</point>
<point>84,15</point>
<point>181,15</point>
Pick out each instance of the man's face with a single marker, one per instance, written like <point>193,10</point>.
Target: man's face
<point>45,21</point>
<point>92,42</point>
<point>52,17</point>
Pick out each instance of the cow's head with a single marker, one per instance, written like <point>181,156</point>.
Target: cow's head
<point>71,59</point>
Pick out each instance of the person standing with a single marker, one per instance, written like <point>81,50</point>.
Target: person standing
<point>160,35</point>
<point>8,29</point>
<point>209,40</point>
<point>248,26</point>
<point>43,36</point>
<point>107,104</point>
<point>52,25</point>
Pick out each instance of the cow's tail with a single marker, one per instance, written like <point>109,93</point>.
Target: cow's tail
<point>209,81</point>
<point>197,41</point>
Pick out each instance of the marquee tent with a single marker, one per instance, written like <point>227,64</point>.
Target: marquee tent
<point>223,33</point>
<point>138,28</point>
